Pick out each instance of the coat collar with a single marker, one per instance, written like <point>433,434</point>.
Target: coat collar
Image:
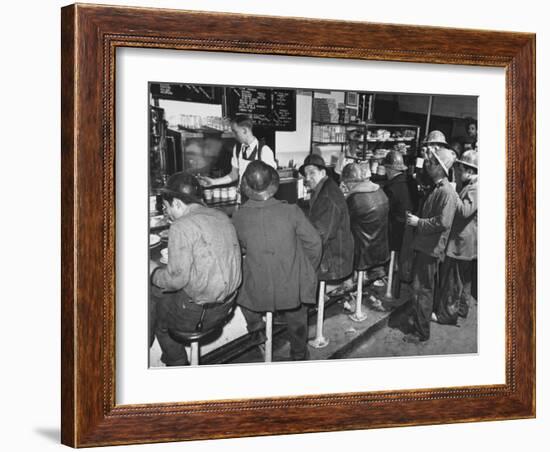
<point>401,177</point>
<point>317,190</point>
<point>365,187</point>
<point>259,204</point>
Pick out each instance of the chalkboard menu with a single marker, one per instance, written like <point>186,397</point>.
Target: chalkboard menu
<point>187,93</point>
<point>274,108</point>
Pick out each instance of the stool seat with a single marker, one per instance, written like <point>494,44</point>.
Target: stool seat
<point>191,336</point>
<point>199,332</point>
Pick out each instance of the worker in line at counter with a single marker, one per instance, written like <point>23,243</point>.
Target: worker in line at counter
<point>282,252</point>
<point>403,196</point>
<point>248,149</point>
<point>433,227</point>
<point>328,212</point>
<point>204,266</point>
<point>368,208</point>
<point>455,293</point>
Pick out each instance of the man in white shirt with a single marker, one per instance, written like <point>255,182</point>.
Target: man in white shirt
<point>248,149</point>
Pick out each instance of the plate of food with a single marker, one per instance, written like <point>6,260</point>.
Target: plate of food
<point>158,221</point>
<point>154,240</point>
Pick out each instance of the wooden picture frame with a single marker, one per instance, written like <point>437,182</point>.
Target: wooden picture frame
<point>90,37</point>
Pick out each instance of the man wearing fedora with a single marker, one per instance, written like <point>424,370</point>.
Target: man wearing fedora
<point>204,266</point>
<point>457,270</point>
<point>433,227</point>
<point>282,251</point>
<point>328,212</point>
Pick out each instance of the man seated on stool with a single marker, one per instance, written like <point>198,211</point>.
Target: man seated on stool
<point>282,252</point>
<point>328,212</point>
<point>368,208</point>
<point>204,266</point>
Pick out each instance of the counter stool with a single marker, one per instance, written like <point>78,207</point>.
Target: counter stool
<point>269,337</point>
<point>388,295</point>
<point>320,341</point>
<point>358,315</point>
<point>195,336</point>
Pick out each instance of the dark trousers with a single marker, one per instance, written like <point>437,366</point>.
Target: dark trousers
<point>375,272</point>
<point>453,298</point>
<point>425,272</point>
<point>176,311</point>
<point>297,328</point>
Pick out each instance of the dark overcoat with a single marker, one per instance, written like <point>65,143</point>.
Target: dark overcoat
<point>282,251</point>
<point>328,212</point>
<point>401,198</point>
<point>368,208</point>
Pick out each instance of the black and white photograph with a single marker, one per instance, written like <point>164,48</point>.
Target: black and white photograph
<point>294,224</point>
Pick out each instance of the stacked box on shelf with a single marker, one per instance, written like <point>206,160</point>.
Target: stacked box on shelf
<point>328,133</point>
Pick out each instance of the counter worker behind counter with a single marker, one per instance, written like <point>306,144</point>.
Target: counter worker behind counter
<point>248,149</point>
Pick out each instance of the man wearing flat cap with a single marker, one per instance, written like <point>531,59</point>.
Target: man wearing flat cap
<point>328,212</point>
<point>204,266</point>
<point>433,227</point>
<point>282,251</point>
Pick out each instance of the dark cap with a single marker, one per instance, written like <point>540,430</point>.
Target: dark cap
<point>394,161</point>
<point>313,159</point>
<point>183,186</point>
<point>260,181</point>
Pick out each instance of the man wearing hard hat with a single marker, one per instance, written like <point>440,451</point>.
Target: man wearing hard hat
<point>432,232</point>
<point>454,297</point>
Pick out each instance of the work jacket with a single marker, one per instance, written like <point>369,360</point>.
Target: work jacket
<point>204,257</point>
<point>463,238</point>
<point>368,209</point>
<point>328,212</point>
<point>436,218</point>
<point>281,253</point>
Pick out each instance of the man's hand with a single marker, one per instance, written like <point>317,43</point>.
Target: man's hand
<point>205,181</point>
<point>412,220</point>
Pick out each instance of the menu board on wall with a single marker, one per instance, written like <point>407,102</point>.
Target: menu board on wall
<point>274,108</point>
<point>187,93</point>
